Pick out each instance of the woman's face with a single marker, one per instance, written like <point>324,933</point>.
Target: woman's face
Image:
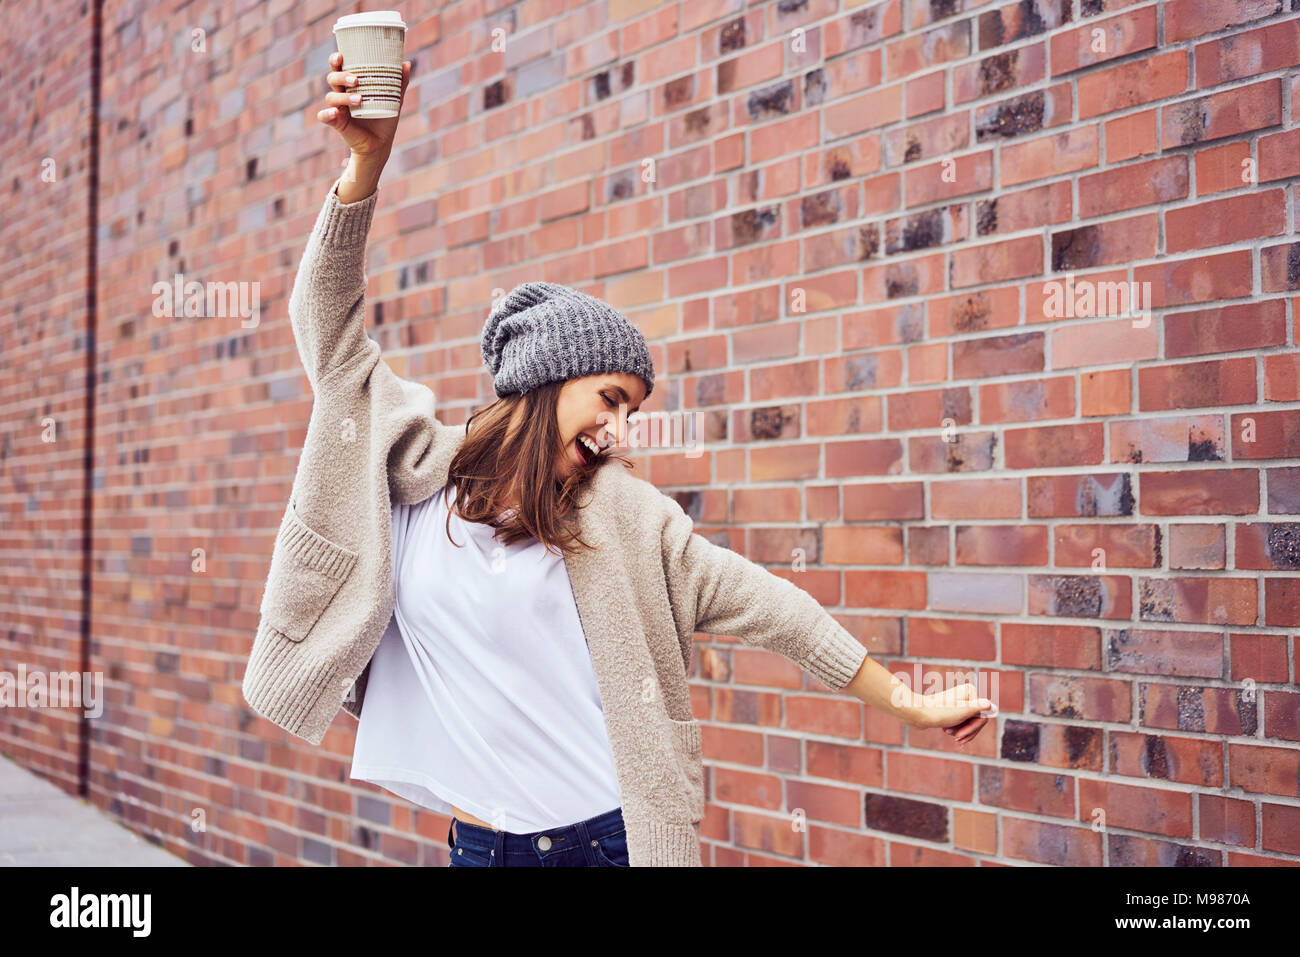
<point>589,407</point>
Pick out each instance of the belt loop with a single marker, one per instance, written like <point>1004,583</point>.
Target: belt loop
<point>584,836</point>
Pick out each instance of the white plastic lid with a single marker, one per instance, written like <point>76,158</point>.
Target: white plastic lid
<point>375,18</point>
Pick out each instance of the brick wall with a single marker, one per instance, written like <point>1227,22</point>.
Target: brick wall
<point>878,247</point>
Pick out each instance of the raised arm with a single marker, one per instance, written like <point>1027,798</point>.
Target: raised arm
<point>327,304</point>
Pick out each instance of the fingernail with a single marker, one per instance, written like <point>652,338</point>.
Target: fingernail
<point>331,112</point>
<point>351,78</point>
<point>354,98</point>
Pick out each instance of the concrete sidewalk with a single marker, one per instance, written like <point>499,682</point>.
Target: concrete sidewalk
<point>41,826</point>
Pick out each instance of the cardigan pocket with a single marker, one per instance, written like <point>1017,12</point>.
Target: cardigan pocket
<point>690,758</point>
<point>307,570</point>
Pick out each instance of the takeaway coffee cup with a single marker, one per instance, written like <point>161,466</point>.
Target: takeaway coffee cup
<point>371,44</point>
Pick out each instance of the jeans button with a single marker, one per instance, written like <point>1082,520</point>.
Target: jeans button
<point>544,842</point>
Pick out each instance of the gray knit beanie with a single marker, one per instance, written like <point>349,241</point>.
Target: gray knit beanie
<point>541,332</point>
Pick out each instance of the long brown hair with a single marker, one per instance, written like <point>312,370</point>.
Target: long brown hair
<point>492,467</point>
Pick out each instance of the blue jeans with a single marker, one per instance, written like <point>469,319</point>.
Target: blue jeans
<point>599,841</point>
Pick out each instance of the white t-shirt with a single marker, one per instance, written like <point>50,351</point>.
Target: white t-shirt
<point>482,692</point>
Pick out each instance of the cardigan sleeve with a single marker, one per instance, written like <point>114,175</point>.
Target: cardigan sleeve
<point>327,305</point>
<point>720,592</point>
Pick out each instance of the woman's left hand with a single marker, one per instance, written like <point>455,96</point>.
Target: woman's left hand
<point>956,710</point>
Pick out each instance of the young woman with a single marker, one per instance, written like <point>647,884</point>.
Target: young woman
<point>501,693</point>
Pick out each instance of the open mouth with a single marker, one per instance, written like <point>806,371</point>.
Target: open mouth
<point>588,451</point>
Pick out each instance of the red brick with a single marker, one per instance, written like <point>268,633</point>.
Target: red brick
<point>1054,445</point>
<point>927,545</point>
<point>1137,184</point>
<point>1017,789</point>
<point>1265,435</point>
<point>1271,546</point>
<point>1250,325</point>
<point>1261,658</point>
<point>1283,490</point>
<point>1279,267</point>
<point>1184,760</point>
<point>920,276</point>
<point>914,52</point>
<point>927,363</point>
<point>1281,825</point>
<point>1042,843</point>
<point>1226,820</point>
<point>886,501</point>
<point>1116,241</point>
<point>1002,72</point>
<point>1104,341</point>
<point>1011,212</point>
<point>1152,78</point>
<point>1190,708</point>
<point>985,498</point>
<point>1264,769</point>
<point>1187,19</point>
<point>863,457</point>
<point>852,31</point>
<point>1200,279</point>
<point>1224,221</point>
<point>1282,715</point>
<point>927,140</point>
<point>1001,544</point>
<point>1221,168</point>
<point>1070,496</point>
<point>1103,546</point>
<point>855,371</point>
<point>1047,645</point>
<point>996,262</point>
<point>1219,491</point>
<point>1229,113</point>
<point>1088,699</point>
<point>862,545</point>
<point>1151,810</point>
<point>1053,155</point>
<point>1002,355</point>
<point>885,589</point>
<point>974,311</point>
<point>890,325</point>
<point>1105,392</point>
<point>1040,398</point>
<point>953,451</point>
<point>1244,54</point>
<point>1209,601</point>
<point>1282,601</point>
<point>1202,545</point>
<point>951,638</point>
<point>924,94</point>
<point>1282,377</point>
<point>1121,35</point>
<point>1081,596</point>
<point>1130,136</point>
<point>1279,155</point>
<point>948,177</point>
<point>1180,439</point>
<point>929,408</point>
<point>842,416</point>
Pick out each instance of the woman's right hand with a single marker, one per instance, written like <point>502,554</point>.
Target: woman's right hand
<point>368,139</point>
